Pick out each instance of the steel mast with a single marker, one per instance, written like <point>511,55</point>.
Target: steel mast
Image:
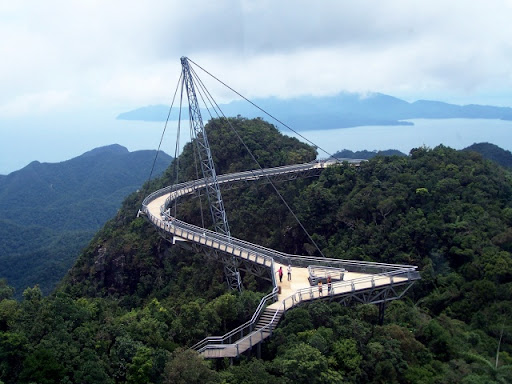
<point>220,220</point>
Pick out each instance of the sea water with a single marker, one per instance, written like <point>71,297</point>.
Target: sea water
<point>63,139</point>
<point>454,133</point>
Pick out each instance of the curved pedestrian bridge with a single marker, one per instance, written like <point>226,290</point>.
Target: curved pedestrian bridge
<point>351,281</point>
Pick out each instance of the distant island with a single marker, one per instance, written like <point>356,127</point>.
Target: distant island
<point>365,154</point>
<point>340,111</point>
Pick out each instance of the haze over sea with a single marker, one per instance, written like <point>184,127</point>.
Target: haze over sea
<point>16,153</point>
<point>454,133</point>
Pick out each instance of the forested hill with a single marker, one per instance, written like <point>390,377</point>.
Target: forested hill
<point>492,152</point>
<point>105,175</point>
<point>111,265</point>
<point>50,211</point>
<point>348,154</point>
<point>132,301</point>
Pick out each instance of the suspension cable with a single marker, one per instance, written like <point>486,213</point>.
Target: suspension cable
<point>176,149</point>
<point>163,132</point>
<point>216,107</point>
<point>265,112</point>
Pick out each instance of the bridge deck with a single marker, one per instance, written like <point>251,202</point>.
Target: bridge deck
<point>368,282</point>
<point>300,282</point>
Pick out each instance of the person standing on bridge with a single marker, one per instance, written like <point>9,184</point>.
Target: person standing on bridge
<point>289,272</point>
<point>280,274</point>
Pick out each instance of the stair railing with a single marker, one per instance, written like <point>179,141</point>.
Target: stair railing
<point>240,331</point>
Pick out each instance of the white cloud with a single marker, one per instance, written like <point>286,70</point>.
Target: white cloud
<point>149,84</point>
<point>35,103</point>
<point>81,56</point>
<point>128,51</point>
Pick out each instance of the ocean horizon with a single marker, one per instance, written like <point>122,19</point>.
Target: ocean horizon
<point>454,133</point>
<point>52,143</point>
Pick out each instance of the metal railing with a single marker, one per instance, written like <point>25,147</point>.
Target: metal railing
<point>189,230</point>
<point>321,273</point>
<point>246,342</point>
<point>217,345</point>
<point>263,255</point>
<point>350,287</point>
<point>242,330</point>
<point>383,274</point>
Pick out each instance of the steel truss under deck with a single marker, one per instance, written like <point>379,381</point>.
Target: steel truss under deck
<point>385,282</point>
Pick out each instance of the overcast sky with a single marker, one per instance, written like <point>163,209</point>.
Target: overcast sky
<point>67,68</point>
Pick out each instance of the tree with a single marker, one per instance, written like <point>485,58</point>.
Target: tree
<point>139,369</point>
<point>485,368</point>
<point>254,371</point>
<point>347,357</point>
<point>41,366</point>
<point>302,363</point>
<point>6,292</point>
<point>186,366</point>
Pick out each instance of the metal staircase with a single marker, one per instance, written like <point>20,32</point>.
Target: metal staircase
<point>352,281</point>
<point>264,328</point>
<point>362,282</point>
<point>268,320</point>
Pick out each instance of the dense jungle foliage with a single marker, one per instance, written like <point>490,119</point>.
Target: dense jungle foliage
<point>348,154</point>
<point>492,152</point>
<point>132,303</point>
<point>50,211</point>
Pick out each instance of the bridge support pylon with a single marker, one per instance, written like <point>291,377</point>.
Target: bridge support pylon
<point>382,310</point>
<point>218,213</point>
<point>233,277</point>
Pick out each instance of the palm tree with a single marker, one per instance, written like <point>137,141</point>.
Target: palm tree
<point>500,374</point>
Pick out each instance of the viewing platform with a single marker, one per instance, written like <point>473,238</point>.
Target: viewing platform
<point>351,281</point>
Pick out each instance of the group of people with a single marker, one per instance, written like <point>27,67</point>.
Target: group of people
<point>280,272</point>
<point>320,288</point>
<point>329,286</point>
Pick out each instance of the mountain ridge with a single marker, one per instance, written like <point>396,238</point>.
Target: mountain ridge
<point>68,200</point>
<point>133,304</point>
<point>492,152</point>
<point>343,110</point>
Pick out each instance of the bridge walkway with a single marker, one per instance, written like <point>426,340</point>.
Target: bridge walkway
<point>364,282</point>
<point>291,293</point>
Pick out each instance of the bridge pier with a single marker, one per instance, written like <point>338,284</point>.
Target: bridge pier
<point>372,283</point>
<point>232,274</point>
<point>382,310</point>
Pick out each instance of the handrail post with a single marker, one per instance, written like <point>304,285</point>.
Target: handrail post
<point>266,258</point>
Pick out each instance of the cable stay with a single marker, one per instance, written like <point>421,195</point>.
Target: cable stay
<point>220,114</point>
<point>358,281</point>
<point>330,156</point>
<point>163,134</point>
<point>194,89</point>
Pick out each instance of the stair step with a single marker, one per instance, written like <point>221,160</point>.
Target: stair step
<point>267,317</point>
<point>264,320</point>
<point>270,316</point>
